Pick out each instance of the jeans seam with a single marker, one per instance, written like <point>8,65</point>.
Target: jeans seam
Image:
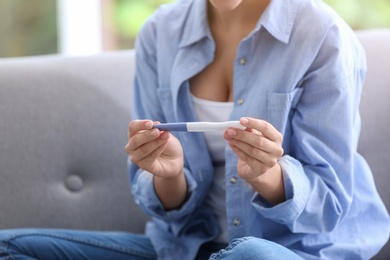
<point>233,244</point>
<point>77,240</point>
<point>3,249</point>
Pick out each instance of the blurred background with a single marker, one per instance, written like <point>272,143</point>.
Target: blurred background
<point>83,27</point>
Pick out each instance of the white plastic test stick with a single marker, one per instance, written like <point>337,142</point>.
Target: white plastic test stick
<point>199,126</point>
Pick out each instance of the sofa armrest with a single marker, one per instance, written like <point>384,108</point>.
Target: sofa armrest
<point>374,142</point>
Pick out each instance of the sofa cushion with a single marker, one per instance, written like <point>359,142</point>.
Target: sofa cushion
<point>63,129</point>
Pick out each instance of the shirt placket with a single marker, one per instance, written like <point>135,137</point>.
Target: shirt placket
<point>235,198</point>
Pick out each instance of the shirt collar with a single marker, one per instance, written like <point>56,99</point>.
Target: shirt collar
<point>196,26</point>
<point>278,19</point>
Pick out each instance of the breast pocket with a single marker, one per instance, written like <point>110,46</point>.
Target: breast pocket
<point>281,107</point>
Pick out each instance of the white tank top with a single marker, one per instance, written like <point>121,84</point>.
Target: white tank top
<point>213,111</point>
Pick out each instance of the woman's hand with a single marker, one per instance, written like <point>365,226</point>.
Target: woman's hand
<point>258,148</point>
<point>159,153</point>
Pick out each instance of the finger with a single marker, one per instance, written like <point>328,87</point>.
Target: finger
<point>142,138</point>
<point>141,132</point>
<point>253,139</point>
<point>148,155</point>
<point>136,126</point>
<point>264,127</point>
<point>250,142</point>
<point>254,154</point>
<point>255,165</point>
<point>140,146</point>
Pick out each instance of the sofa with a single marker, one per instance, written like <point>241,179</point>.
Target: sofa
<point>63,129</point>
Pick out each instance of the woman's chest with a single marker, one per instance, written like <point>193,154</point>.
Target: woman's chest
<point>215,82</point>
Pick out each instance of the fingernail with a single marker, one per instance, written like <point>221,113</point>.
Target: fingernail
<point>244,120</point>
<point>149,124</point>
<point>231,132</point>
<point>164,135</point>
<point>155,132</point>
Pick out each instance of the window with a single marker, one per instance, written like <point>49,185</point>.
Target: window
<point>123,19</point>
<point>27,27</point>
<point>80,27</point>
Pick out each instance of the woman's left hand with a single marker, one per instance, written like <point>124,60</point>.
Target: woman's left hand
<point>258,147</point>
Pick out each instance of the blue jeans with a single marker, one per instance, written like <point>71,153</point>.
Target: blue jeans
<point>251,248</point>
<point>51,244</point>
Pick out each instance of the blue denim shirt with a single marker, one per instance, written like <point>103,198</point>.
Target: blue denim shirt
<point>302,70</point>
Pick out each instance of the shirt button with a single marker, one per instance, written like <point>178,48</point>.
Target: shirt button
<point>242,61</point>
<point>233,180</point>
<point>240,101</point>
<point>236,221</point>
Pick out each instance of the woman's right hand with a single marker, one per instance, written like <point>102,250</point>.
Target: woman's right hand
<point>155,151</point>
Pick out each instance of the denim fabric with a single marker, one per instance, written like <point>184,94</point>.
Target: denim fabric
<point>51,244</point>
<point>251,248</point>
<point>42,244</point>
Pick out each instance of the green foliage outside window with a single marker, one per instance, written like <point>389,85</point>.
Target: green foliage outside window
<point>363,14</point>
<point>29,27</point>
<point>359,14</point>
<point>131,14</point>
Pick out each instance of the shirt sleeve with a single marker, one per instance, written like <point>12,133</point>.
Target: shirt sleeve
<point>146,104</point>
<point>145,195</point>
<point>319,173</point>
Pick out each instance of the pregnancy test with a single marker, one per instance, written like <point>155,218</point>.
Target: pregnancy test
<point>199,126</point>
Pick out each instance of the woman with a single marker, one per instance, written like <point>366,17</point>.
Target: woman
<point>291,185</point>
<point>290,69</point>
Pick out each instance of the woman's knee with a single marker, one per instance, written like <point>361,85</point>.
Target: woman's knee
<point>17,242</point>
<point>73,244</point>
<point>255,248</point>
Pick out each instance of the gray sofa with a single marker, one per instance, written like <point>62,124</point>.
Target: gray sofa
<point>63,128</point>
